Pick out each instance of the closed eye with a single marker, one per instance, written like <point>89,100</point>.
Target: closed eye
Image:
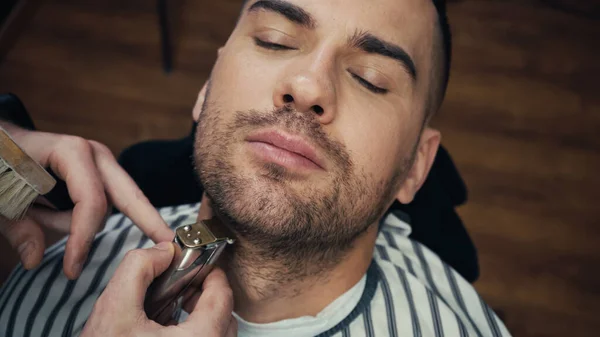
<point>271,46</point>
<point>368,85</point>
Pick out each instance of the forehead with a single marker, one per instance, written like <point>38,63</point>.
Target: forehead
<point>408,23</point>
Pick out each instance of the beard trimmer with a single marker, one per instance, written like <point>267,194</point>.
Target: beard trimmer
<point>197,247</point>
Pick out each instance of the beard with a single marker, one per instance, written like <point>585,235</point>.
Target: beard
<point>303,225</point>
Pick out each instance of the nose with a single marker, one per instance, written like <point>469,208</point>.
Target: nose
<point>309,91</point>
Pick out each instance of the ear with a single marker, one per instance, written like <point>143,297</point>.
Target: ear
<point>424,157</point>
<point>199,103</point>
<point>202,95</point>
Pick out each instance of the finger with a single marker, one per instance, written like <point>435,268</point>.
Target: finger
<point>127,196</point>
<point>27,238</point>
<point>60,221</point>
<point>43,201</point>
<point>190,301</point>
<point>215,305</point>
<point>72,160</point>
<point>138,269</point>
<point>57,220</point>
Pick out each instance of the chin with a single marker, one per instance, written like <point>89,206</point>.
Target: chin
<point>268,209</point>
<point>276,186</point>
<point>262,205</point>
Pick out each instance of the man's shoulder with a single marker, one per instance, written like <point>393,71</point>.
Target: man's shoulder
<point>417,289</point>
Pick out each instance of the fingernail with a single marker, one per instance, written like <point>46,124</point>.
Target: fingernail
<point>163,246</point>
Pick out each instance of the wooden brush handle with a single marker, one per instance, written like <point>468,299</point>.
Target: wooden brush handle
<point>34,174</point>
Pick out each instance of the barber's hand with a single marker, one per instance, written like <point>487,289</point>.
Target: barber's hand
<point>95,182</point>
<point>119,310</point>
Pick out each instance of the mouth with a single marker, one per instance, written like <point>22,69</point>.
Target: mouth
<point>287,150</point>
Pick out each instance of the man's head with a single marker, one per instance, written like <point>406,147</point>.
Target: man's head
<point>315,118</point>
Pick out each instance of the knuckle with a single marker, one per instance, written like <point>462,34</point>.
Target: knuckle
<point>137,257</point>
<point>101,148</point>
<point>78,143</point>
<point>96,208</point>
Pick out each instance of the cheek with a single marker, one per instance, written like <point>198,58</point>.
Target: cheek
<point>240,82</point>
<point>375,145</point>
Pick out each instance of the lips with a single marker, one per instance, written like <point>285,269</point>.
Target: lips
<point>285,148</point>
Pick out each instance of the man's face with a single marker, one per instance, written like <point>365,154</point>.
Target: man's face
<point>313,116</point>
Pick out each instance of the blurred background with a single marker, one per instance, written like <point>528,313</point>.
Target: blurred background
<point>521,121</point>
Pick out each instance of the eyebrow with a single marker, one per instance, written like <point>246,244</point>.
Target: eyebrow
<point>371,44</point>
<point>290,11</point>
<point>362,40</point>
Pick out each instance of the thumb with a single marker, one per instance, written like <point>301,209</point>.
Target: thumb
<point>135,273</point>
<point>26,237</point>
<point>212,311</point>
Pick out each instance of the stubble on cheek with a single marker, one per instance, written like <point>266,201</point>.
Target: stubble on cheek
<point>267,202</point>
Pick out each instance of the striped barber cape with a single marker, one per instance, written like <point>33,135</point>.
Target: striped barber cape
<point>409,291</point>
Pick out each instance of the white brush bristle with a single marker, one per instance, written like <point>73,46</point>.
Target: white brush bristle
<point>15,194</point>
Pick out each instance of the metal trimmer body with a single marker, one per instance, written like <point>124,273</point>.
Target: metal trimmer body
<point>197,247</point>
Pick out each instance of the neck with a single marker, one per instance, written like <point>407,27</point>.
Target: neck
<point>267,289</point>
